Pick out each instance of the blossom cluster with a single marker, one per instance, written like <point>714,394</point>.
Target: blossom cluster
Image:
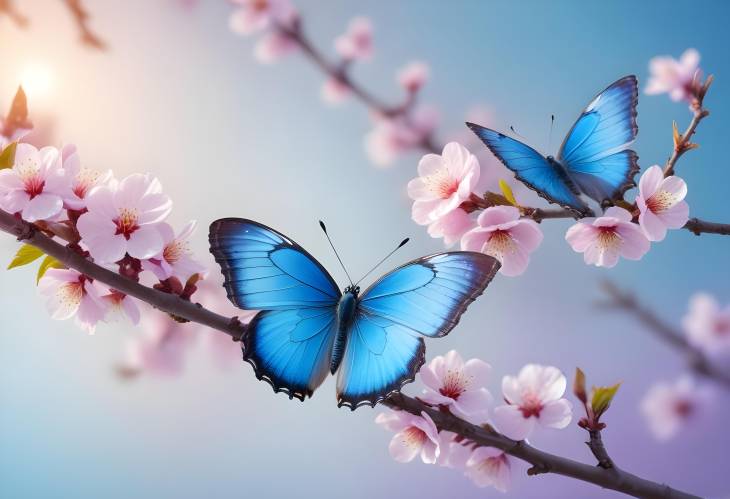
<point>532,399</point>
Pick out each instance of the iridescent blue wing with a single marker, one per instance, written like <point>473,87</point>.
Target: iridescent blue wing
<point>265,270</point>
<point>595,152</point>
<point>425,297</point>
<point>532,169</point>
<point>291,349</point>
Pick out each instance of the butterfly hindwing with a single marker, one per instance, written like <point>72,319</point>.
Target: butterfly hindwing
<point>532,168</point>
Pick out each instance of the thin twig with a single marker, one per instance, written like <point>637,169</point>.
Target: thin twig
<point>81,17</point>
<point>595,444</point>
<point>8,8</point>
<point>682,143</point>
<point>695,358</point>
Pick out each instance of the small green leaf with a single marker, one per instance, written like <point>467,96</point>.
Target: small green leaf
<point>507,192</point>
<point>25,255</point>
<point>7,156</point>
<point>602,397</point>
<point>48,263</point>
<point>579,385</point>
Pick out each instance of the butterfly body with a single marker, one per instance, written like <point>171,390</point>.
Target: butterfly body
<point>306,328</point>
<point>594,159</point>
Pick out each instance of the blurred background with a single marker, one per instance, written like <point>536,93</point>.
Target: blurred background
<point>179,95</point>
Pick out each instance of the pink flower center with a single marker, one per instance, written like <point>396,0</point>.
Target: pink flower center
<point>84,180</point>
<point>127,222</point>
<point>454,384</point>
<point>414,437</point>
<point>29,173</point>
<point>531,405</point>
<point>500,244</point>
<point>70,293</point>
<point>683,408</point>
<point>442,184</point>
<point>174,251</point>
<point>608,240</point>
<point>260,6</point>
<point>722,326</point>
<point>660,201</point>
<point>491,465</point>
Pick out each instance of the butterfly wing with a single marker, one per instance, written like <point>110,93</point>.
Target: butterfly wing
<point>289,342</point>
<point>595,152</point>
<point>425,297</point>
<point>532,168</point>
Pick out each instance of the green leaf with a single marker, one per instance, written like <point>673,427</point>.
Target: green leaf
<point>7,156</point>
<point>507,192</point>
<point>579,385</point>
<point>48,263</point>
<point>25,255</point>
<point>602,397</point>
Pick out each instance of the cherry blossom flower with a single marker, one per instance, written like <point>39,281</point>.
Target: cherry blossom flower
<point>668,408</point>
<point>273,46</point>
<point>501,233</point>
<point>661,203</point>
<point>489,466</point>
<point>123,218</point>
<point>443,183</point>
<point>35,186</point>
<point>458,385</point>
<point>451,226</point>
<point>253,16</point>
<point>413,76</point>
<point>534,397</point>
<point>454,450</point>
<point>707,325</point>
<point>70,294</point>
<point>393,136</point>
<point>415,434</point>
<point>119,305</point>
<point>605,238</point>
<point>175,258</point>
<point>357,41</point>
<point>674,76</point>
<point>335,91</point>
<point>82,179</point>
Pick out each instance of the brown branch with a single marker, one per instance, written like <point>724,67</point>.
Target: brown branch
<point>542,462</point>
<point>696,359</point>
<point>8,8</point>
<point>595,444</point>
<point>81,17</point>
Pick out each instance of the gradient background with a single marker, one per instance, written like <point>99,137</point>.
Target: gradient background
<point>181,96</point>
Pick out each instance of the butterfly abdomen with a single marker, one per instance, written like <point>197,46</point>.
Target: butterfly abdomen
<point>345,315</point>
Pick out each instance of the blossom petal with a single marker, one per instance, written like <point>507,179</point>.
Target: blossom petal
<point>556,414</point>
<point>145,242</point>
<point>510,421</point>
<point>42,207</point>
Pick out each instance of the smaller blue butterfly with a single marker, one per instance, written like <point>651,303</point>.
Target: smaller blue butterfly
<point>306,328</point>
<point>594,159</point>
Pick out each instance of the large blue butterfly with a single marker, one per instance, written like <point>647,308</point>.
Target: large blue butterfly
<point>307,328</point>
<point>594,159</point>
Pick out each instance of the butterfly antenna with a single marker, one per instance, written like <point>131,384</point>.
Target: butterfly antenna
<point>515,132</point>
<point>324,229</point>
<point>402,243</point>
<point>550,135</point>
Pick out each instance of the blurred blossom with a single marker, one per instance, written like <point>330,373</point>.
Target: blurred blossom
<point>460,386</point>
<point>273,46</point>
<point>669,408</point>
<point>123,218</point>
<point>707,325</point>
<point>357,41</point>
<point>81,179</point>
<point>70,294</point>
<point>414,435</point>
<point>443,183</point>
<point>392,137</point>
<point>534,398</point>
<point>413,76</point>
<point>603,239</point>
<point>661,203</point>
<point>35,186</point>
<point>254,16</point>
<point>175,257</point>
<point>451,226</point>
<point>335,91</point>
<point>502,234</point>
<point>672,76</point>
<point>489,467</point>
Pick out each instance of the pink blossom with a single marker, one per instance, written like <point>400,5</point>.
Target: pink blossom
<point>534,397</point>
<point>451,226</point>
<point>253,16</point>
<point>70,294</point>
<point>443,183</point>
<point>335,91</point>
<point>661,203</point>
<point>458,385</point>
<point>454,451</point>
<point>489,466</point>
<point>605,238</point>
<point>391,137</point>
<point>35,186</point>
<point>123,218</point>
<point>413,76</point>
<point>119,305</point>
<point>501,233</point>
<point>82,180</point>
<point>707,325</point>
<point>357,41</point>
<point>669,408</point>
<point>415,434</point>
<point>674,76</point>
<point>175,258</point>
<point>273,46</point>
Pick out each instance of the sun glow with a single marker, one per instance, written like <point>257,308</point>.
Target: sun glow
<point>37,80</point>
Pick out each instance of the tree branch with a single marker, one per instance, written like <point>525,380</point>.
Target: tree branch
<point>696,359</point>
<point>81,17</point>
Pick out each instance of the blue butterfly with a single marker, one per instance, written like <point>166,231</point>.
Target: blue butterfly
<point>307,328</point>
<point>594,159</point>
